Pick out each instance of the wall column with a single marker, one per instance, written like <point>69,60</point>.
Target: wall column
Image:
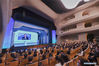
<point>6,12</point>
<point>58,39</point>
<point>82,37</point>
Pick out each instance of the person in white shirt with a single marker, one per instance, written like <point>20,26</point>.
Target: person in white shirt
<point>58,64</point>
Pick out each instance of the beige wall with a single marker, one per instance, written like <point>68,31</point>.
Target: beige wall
<point>95,23</point>
<point>71,37</point>
<point>80,25</point>
<point>82,37</point>
<point>6,14</point>
<point>79,21</point>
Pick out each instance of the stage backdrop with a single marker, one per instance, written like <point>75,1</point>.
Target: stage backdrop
<point>25,34</point>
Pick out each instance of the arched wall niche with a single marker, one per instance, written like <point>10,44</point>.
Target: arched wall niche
<point>85,13</point>
<point>88,24</point>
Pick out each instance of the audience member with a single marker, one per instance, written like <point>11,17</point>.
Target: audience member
<point>30,60</point>
<point>0,60</point>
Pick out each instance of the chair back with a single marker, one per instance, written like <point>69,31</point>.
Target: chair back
<point>34,64</point>
<point>52,61</point>
<point>13,63</point>
<point>44,62</point>
<point>9,59</point>
<point>2,64</point>
<point>98,60</point>
<point>35,59</point>
<point>23,62</point>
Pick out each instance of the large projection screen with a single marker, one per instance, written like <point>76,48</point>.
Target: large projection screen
<point>25,38</point>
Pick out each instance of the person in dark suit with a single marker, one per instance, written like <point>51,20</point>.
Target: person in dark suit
<point>25,37</point>
<point>68,51</point>
<point>64,57</point>
<point>41,51</point>
<point>29,52</point>
<point>81,62</point>
<point>25,56</point>
<point>91,56</point>
<point>50,55</point>
<point>14,56</point>
<point>35,53</point>
<point>57,57</point>
<point>30,58</point>
<point>1,54</point>
<point>0,60</point>
<point>44,56</point>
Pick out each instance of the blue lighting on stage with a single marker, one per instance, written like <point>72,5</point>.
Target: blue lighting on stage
<point>53,36</point>
<point>8,35</point>
<point>24,34</point>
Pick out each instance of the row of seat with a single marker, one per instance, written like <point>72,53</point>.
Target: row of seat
<point>74,61</point>
<point>49,61</point>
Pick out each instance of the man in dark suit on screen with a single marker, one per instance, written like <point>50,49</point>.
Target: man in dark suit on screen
<point>25,37</point>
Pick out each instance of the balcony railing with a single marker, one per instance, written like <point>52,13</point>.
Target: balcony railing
<point>79,30</point>
<point>78,20</point>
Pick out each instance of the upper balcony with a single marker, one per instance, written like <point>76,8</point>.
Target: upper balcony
<point>83,16</point>
<point>80,30</point>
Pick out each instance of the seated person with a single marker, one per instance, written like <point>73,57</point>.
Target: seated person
<point>64,57</point>
<point>41,51</point>
<point>60,62</point>
<point>57,57</point>
<point>91,56</point>
<point>81,62</point>
<point>50,55</point>
<point>97,51</point>
<point>30,59</point>
<point>44,56</point>
<point>35,54</point>
<point>47,51</point>
<point>21,54</point>
<point>68,51</point>
<point>29,53</point>
<point>1,54</point>
<point>0,60</point>
<point>52,50</point>
<point>58,52</point>
<point>25,56</point>
<point>14,57</point>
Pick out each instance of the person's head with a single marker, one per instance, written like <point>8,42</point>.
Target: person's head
<point>62,52</point>
<point>13,55</point>
<point>29,52</point>
<point>93,50</point>
<point>25,55</point>
<point>25,35</point>
<point>61,61</point>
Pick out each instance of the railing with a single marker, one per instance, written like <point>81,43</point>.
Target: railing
<point>76,20</point>
<point>72,31</point>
